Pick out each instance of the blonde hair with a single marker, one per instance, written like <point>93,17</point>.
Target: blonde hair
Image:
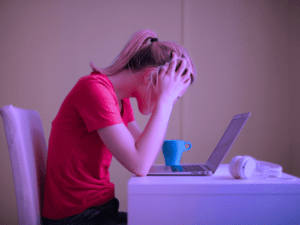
<point>144,50</point>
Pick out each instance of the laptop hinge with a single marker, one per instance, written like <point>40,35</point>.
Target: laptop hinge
<point>211,166</point>
<point>206,167</point>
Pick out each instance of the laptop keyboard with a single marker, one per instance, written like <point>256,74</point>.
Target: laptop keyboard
<point>192,168</point>
<point>187,168</point>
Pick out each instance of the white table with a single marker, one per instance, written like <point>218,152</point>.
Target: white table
<point>217,199</point>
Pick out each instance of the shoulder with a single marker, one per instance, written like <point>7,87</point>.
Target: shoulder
<point>96,78</point>
<point>95,84</point>
<point>94,92</point>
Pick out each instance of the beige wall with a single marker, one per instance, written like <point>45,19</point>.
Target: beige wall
<point>246,53</point>
<point>294,86</point>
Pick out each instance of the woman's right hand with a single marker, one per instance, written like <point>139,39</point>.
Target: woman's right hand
<point>173,83</point>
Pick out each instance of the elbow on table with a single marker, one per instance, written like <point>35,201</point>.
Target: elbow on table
<point>141,171</point>
<point>139,166</point>
<point>141,174</point>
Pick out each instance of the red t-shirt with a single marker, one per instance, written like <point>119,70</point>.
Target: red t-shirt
<point>78,161</point>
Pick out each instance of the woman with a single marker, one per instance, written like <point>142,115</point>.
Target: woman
<point>95,122</point>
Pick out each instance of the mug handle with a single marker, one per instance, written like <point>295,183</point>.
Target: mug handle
<point>187,143</point>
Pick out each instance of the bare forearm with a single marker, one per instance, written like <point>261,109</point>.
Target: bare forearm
<point>150,141</point>
<point>138,155</point>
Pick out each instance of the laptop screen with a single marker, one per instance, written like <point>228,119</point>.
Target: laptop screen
<point>228,138</point>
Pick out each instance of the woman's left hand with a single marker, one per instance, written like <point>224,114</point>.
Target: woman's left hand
<point>172,82</point>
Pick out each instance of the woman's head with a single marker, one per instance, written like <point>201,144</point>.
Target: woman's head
<point>145,50</point>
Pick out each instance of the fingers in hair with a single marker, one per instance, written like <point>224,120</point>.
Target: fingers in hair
<point>186,76</point>
<point>173,62</point>
<point>182,67</point>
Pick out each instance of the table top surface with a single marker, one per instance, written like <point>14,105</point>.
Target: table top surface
<point>221,182</point>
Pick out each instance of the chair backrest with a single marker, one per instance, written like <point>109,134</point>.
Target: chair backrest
<point>28,154</point>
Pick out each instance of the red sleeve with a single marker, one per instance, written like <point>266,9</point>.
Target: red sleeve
<point>97,104</point>
<point>128,112</point>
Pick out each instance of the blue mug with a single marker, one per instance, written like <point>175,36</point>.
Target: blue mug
<point>173,149</point>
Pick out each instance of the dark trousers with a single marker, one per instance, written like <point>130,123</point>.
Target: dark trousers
<point>106,214</point>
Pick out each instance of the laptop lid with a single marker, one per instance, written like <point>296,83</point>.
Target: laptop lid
<point>215,158</point>
<point>226,141</point>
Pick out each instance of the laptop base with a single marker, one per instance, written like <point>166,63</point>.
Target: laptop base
<point>178,170</point>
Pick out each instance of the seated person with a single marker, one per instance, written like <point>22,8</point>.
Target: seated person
<point>96,122</point>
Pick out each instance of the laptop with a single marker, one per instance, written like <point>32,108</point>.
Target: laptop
<point>215,159</point>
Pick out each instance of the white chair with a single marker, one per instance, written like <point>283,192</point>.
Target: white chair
<point>28,155</point>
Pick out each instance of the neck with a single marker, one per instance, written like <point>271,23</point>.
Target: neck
<point>124,84</point>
